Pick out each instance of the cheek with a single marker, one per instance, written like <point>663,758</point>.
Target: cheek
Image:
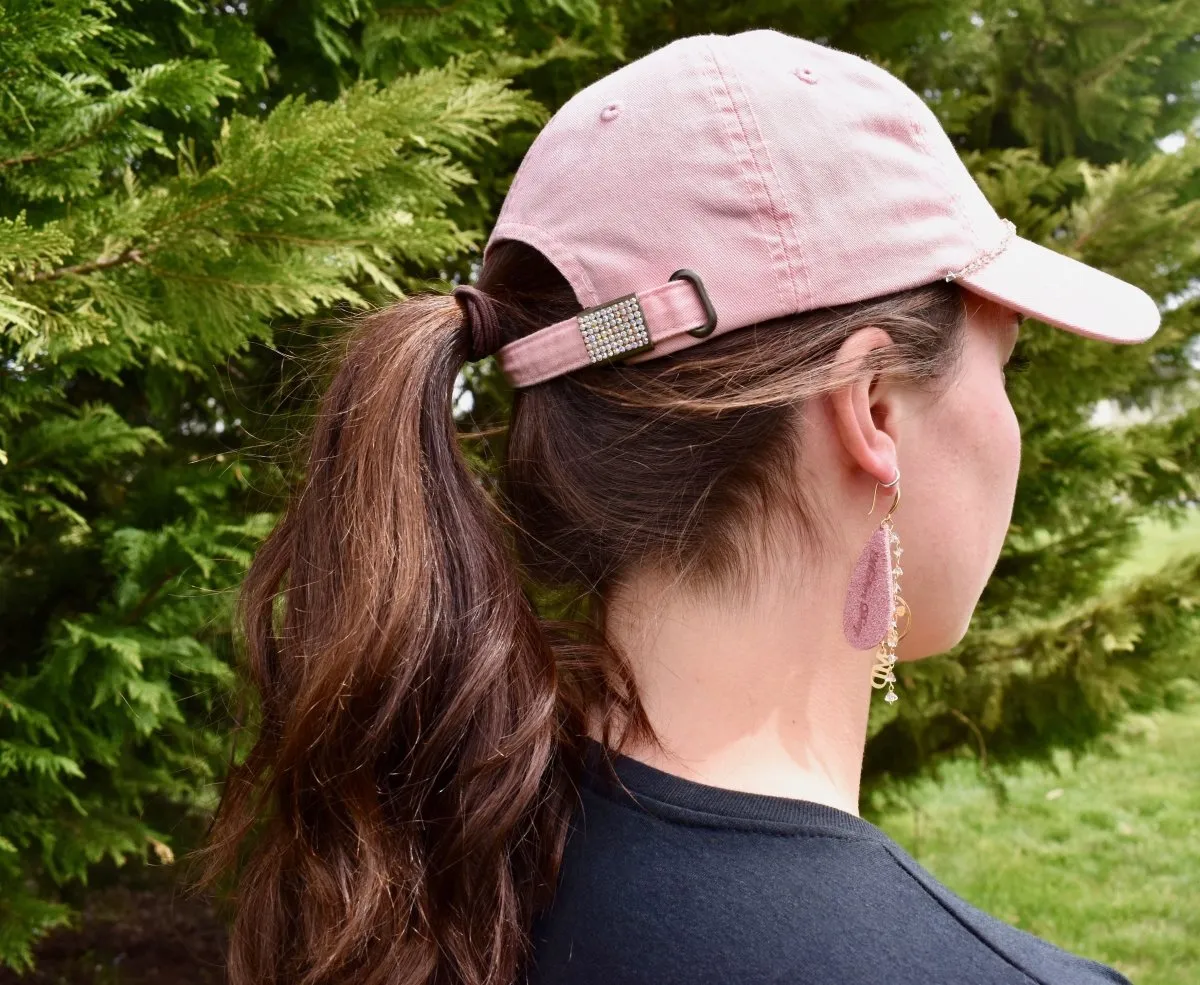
<point>1003,440</point>
<point>965,501</point>
<point>977,447</point>
<point>995,460</point>
<point>983,446</point>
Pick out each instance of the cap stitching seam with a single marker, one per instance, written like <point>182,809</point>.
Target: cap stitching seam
<point>755,193</point>
<point>789,212</point>
<point>777,215</point>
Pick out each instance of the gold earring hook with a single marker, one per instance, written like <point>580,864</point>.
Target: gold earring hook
<point>895,501</point>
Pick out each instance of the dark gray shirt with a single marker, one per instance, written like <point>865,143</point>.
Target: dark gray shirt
<point>679,883</point>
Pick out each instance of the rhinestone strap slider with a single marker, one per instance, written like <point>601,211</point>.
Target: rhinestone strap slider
<point>614,330</point>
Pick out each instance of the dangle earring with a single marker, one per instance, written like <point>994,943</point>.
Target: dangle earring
<point>873,603</point>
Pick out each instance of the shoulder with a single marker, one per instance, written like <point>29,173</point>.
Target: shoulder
<point>669,896</point>
<point>1039,959</point>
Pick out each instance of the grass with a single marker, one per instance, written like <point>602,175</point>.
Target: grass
<point>1101,858</point>
<point>1099,855</point>
<point>1160,543</point>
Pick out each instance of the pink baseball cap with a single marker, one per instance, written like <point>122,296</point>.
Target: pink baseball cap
<point>723,180</point>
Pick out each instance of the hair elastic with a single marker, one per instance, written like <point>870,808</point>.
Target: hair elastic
<point>481,323</point>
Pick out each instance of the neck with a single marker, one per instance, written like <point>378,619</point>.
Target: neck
<point>765,697</point>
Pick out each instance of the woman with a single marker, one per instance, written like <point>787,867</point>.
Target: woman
<point>740,286</point>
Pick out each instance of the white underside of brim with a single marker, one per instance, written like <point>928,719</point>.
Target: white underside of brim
<point>1065,292</point>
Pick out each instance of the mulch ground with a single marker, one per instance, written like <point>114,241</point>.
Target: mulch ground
<point>133,937</point>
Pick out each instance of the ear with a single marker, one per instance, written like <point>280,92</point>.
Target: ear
<point>864,410</point>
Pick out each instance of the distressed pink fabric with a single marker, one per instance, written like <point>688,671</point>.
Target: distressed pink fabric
<point>870,599</point>
<point>789,176</point>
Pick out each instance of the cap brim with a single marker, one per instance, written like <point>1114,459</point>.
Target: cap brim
<point>1062,291</point>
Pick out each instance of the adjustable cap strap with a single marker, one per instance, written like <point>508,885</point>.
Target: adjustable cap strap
<point>615,330</point>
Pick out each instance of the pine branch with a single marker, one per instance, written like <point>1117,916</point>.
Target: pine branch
<point>1106,69</point>
<point>34,157</point>
<point>300,240</point>
<point>148,598</point>
<point>131,254</point>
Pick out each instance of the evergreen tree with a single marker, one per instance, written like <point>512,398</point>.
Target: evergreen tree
<point>192,195</point>
<point>166,211</point>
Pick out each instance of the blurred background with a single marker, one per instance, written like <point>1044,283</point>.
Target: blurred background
<point>196,195</point>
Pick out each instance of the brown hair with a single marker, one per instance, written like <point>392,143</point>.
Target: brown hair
<point>402,813</point>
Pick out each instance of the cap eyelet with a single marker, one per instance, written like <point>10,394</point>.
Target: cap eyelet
<point>611,111</point>
<point>805,74</point>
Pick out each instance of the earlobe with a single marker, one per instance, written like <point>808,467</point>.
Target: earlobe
<point>860,409</point>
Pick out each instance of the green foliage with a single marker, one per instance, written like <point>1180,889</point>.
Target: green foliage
<point>166,214</point>
<point>190,196</point>
<point>1023,688</point>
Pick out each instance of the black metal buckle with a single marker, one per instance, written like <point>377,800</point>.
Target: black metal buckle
<point>710,312</point>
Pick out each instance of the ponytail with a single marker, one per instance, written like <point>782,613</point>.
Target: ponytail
<point>403,808</point>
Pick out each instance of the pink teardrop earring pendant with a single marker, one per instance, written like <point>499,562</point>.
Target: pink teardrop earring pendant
<point>874,605</point>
